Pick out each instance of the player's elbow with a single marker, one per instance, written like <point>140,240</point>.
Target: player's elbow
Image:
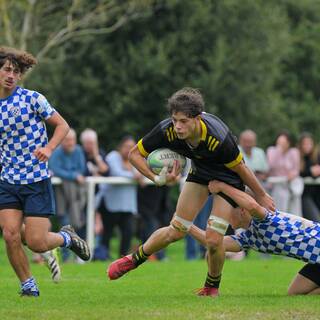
<point>66,127</point>
<point>133,154</point>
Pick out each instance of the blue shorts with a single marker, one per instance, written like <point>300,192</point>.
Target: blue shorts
<point>34,199</point>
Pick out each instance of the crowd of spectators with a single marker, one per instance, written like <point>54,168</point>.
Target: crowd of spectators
<point>136,210</point>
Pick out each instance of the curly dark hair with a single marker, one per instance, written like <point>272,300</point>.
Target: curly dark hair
<point>21,59</point>
<point>188,101</point>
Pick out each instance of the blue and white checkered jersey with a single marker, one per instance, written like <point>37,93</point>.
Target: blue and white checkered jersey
<point>22,130</point>
<point>284,234</point>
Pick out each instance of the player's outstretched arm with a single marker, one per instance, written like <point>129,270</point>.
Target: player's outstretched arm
<point>230,245</point>
<point>252,182</point>
<point>242,199</point>
<point>200,235</point>
<point>60,131</point>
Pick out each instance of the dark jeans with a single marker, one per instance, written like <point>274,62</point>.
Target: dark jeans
<point>155,210</point>
<point>193,249</point>
<point>122,220</point>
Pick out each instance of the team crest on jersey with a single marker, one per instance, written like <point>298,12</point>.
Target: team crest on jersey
<point>15,111</point>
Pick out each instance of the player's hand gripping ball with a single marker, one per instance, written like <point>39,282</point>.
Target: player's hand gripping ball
<point>163,157</point>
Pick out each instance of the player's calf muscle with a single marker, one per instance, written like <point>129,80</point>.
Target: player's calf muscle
<point>170,235</point>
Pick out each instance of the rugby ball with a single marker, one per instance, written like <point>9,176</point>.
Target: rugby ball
<point>164,157</point>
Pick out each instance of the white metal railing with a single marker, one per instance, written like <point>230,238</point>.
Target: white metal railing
<point>93,181</point>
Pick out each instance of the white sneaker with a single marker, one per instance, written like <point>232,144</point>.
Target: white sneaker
<point>52,261</point>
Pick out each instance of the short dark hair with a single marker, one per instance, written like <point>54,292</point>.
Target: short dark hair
<point>19,58</point>
<point>188,101</point>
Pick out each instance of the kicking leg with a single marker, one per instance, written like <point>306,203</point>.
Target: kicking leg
<point>39,239</point>
<point>50,257</point>
<point>191,200</point>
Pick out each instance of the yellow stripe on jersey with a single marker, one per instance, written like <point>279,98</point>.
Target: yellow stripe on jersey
<point>212,143</point>
<point>168,134</point>
<point>171,134</point>
<point>141,148</point>
<point>203,130</point>
<point>234,162</point>
<point>215,145</point>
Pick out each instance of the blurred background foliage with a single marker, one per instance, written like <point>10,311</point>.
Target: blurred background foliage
<point>111,65</point>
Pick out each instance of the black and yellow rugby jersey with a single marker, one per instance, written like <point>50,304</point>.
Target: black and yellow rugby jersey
<point>216,153</point>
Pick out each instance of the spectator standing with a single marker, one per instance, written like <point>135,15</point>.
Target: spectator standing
<point>119,202</point>
<point>95,166</point>
<point>254,157</point>
<point>155,210</point>
<point>68,163</point>
<point>310,167</point>
<point>284,162</point>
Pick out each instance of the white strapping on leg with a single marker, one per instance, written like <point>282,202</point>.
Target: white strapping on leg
<point>218,224</point>
<point>181,224</point>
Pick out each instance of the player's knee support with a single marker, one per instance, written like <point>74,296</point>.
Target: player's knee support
<point>180,224</point>
<point>218,224</point>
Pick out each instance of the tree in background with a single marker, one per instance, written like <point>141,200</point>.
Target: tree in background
<point>42,26</point>
<point>300,70</point>
<point>255,61</point>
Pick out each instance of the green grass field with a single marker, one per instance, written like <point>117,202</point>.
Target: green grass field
<point>251,289</point>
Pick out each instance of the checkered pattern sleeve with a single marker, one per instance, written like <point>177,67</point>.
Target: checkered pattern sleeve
<point>42,106</point>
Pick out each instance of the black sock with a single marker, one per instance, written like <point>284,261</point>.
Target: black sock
<point>212,282</point>
<point>140,256</point>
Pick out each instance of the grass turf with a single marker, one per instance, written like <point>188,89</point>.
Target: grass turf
<point>251,289</point>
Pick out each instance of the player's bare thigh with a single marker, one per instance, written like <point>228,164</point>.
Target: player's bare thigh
<point>10,222</point>
<point>222,208</point>
<point>191,200</point>
<point>301,285</point>
<point>36,233</point>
